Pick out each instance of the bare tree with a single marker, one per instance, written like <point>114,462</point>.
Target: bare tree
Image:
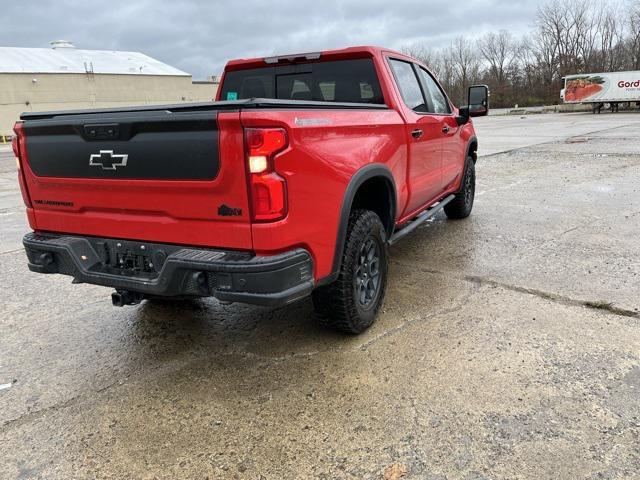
<point>445,70</point>
<point>526,78</point>
<point>611,36</point>
<point>569,29</point>
<point>545,51</point>
<point>633,40</point>
<point>498,50</point>
<point>466,66</point>
<point>424,54</point>
<point>433,59</point>
<point>568,36</point>
<point>600,46</point>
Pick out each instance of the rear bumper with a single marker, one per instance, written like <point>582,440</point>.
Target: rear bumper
<point>163,270</point>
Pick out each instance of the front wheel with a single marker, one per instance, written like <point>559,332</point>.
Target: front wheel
<point>462,204</point>
<point>351,303</point>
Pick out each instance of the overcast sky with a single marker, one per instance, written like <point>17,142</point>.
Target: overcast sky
<point>200,36</point>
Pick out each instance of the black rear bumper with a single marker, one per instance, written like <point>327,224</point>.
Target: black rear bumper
<point>164,270</point>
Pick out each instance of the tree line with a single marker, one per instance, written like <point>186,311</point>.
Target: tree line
<point>567,37</point>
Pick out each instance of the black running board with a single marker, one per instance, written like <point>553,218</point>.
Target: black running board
<point>419,220</point>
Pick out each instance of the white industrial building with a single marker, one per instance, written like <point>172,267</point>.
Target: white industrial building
<point>64,77</point>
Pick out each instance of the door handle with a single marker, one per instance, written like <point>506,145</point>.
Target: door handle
<point>445,129</point>
<point>417,133</point>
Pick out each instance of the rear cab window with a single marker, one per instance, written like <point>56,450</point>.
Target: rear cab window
<point>352,81</point>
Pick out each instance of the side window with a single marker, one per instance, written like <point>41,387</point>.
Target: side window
<point>408,85</point>
<point>439,101</point>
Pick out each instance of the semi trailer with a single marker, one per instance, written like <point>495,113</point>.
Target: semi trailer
<point>600,89</point>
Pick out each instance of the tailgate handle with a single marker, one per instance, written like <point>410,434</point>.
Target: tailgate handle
<point>105,131</point>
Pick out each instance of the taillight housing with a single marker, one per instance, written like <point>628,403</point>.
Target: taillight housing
<point>268,190</point>
<point>15,146</point>
<point>18,143</point>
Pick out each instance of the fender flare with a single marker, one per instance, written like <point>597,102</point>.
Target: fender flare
<point>472,139</point>
<point>365,173</point>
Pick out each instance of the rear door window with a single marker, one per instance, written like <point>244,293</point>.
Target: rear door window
<point>353,81</point>
<point>408,85</point>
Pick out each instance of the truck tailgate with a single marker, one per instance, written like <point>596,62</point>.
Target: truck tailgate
<point>154,174</point>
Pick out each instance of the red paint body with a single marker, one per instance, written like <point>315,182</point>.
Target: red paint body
<point>317,165</point>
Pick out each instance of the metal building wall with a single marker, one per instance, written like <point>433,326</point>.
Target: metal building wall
<point>20,92</point>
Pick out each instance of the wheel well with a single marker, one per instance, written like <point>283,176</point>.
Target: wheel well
<point>473,150</point>
<point>376,194</point>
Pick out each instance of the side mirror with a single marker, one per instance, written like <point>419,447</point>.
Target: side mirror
<point>463,116</point>
<point>478,101</point>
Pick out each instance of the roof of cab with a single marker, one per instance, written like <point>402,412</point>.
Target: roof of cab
<point>337,54</point>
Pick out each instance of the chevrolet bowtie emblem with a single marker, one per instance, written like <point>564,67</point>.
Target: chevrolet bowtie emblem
<point>108,160</point>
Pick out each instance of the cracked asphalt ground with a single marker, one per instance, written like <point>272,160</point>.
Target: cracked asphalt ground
<point>508,346</point>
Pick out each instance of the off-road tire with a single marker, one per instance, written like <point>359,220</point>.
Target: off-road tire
<point>340,304</point>
<point>462,204</point>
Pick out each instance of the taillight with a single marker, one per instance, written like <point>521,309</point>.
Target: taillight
<point>15,146</point>
<point>268,189</point>
<point>20,151</point>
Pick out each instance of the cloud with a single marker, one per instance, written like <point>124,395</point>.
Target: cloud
<point>199,36</point>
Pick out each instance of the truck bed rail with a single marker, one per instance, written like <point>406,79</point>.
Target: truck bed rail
<point>229,105</point>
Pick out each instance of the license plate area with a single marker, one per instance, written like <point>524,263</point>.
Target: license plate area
<point>130,258</point>
<point>134,261</point>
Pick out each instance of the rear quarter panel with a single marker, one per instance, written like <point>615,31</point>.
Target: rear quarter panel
<point>326,148</point>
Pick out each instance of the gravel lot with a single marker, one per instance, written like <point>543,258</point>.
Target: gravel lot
<point>509,345</point>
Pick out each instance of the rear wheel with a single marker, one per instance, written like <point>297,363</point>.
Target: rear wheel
<point>462,204</point>
<point>351,303</point>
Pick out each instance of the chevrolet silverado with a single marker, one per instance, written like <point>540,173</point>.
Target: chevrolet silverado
<point>294,182</point>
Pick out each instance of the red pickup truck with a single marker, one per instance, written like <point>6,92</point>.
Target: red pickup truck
<point>293,182</point>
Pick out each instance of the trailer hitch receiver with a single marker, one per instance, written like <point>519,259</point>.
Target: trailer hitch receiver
<point>120,298</point>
